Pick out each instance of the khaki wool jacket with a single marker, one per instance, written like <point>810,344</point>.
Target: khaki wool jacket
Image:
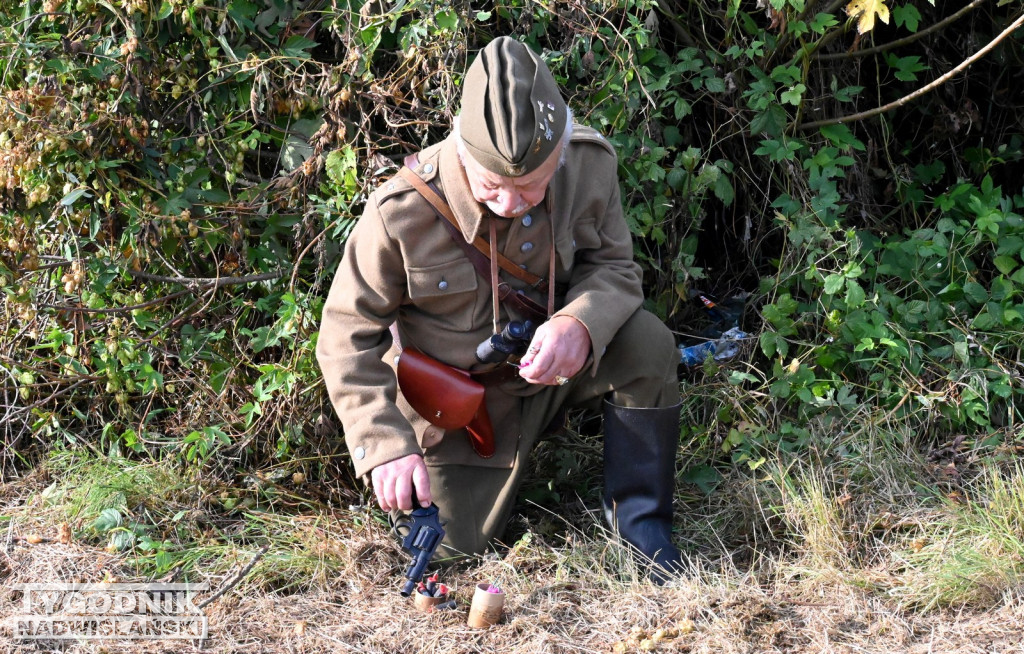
<point>401,265</point>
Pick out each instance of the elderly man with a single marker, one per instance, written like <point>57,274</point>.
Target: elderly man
<point>539,199</point>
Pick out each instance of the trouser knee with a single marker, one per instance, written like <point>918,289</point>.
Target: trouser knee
<point>641,362</point>
<point>474,504</point>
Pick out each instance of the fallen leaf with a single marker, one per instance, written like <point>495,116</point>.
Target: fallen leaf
<point>865,11</point>
<point>300,628</point>
<point>64,534</point>
<point>34,539</point>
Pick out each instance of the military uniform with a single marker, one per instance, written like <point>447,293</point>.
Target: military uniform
<point>401,266</point>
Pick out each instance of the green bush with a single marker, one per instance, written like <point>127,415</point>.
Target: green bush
<point>178,178</point>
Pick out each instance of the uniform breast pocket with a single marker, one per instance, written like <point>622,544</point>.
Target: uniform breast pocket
<point>446,292</point>
<point>585,235</point>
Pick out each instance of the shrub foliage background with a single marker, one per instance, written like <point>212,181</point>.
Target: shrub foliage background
<point>177,178</point>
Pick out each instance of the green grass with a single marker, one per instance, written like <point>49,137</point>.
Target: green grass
<point>888,525</point>
<point>164,517</point>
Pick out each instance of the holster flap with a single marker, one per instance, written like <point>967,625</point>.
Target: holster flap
<point>445,396</point>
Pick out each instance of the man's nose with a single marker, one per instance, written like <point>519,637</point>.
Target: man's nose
<point>510,201</point>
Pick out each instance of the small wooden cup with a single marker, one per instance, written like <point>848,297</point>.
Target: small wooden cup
<point>426,603</point>
<point>486,608</point>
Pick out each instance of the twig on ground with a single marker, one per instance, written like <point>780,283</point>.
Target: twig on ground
<point>234,582</point>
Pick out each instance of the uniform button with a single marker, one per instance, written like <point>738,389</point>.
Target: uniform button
<point>358,453</point>
<point>527,220</point>
<point>428,168</point>
<point>526,247</point>
<point>443,285</point>
<point>391,187</point>
<point>574,243</point>
<point>432,436</point>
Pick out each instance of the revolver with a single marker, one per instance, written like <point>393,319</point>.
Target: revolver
<point>421,532</point>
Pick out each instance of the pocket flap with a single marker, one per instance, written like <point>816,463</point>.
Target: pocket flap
<point>443,279</point>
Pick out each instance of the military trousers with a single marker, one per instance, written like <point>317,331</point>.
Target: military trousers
<point>637,370</point>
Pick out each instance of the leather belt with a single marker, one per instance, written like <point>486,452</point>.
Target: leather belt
<point>496,376</point>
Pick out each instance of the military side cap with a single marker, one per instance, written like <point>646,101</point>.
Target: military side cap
<point>513,115</point>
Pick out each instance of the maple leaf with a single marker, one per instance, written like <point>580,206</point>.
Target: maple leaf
<point>866,11</point>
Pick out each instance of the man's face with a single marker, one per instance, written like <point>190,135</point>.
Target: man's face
<point>510,197</point>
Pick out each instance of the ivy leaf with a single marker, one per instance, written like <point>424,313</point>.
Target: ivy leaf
<point>907,16</point>
<point>976,293</point>
<point>784,150</point>
<point>855,294</point>
<point>446,20</point>
<point>794,94</point>
<point>724,190</point>
<point>847,93</point>
<point>821,22</point>
<point>842,137</point>
<point>865,11</point>
<point>295,152</point>
<point>834,283</point>
<point>906,68</point>
<point>953,292</point>
<point>108,519</point>
<point>296,46</point>
<point>771,121</point>
<point>703,477</point>
<point>1005,264</point>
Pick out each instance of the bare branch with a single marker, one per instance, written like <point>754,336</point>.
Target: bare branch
<point>921,91</point>
<point>904,41</point>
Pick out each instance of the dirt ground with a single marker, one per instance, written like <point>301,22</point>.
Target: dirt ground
<point>361,610</point>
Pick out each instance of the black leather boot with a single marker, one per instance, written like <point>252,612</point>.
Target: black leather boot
<point>639,482</point>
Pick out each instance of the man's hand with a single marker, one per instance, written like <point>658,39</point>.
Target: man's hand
<point>560,348</point>
<point>394,481</point>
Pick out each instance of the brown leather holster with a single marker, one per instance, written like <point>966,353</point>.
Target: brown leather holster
<point>446,397</point>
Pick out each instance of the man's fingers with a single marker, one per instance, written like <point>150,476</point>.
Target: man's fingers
<point>385,502</point>
<point>393,483</point>
<point>534,351</point>
<point>403,493</point>
<point>421,480</point>
<point>538,361</point>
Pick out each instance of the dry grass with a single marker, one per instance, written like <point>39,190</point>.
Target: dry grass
<point>810,558</point>
<point>359,610</point>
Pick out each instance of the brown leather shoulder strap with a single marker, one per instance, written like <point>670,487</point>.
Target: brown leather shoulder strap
<point>437,201</point>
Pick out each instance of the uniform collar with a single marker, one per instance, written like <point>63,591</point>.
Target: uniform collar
<point>468,212</point>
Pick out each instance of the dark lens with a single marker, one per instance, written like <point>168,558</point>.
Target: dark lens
<point>515,329</point>
<point>493,350</point>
